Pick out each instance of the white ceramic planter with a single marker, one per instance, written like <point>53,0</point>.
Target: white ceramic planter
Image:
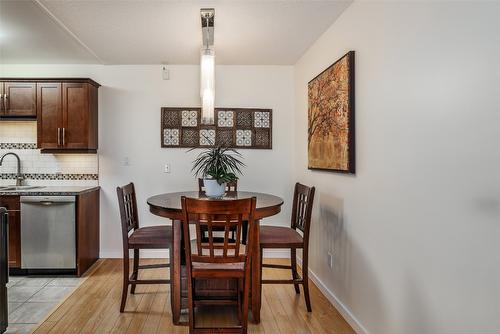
<point>213,188</point>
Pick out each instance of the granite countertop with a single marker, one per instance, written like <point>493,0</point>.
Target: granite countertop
<point>49,191</point>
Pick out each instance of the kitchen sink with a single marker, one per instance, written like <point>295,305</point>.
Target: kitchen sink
<point>18,188</point>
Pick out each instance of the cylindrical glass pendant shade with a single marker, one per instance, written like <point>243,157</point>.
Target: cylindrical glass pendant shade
<point>207,85</point>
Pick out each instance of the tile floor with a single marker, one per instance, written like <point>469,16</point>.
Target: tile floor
<point>32,298</point>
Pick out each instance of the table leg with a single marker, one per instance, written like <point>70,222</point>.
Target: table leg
<point>175,273</point>
<point>256,275</point>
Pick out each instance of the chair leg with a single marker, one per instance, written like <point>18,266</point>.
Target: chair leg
<point>135,270</point>
<point>241,291</point>
<point>125,281</point>
<point>191,305</point>
<point>246,297</point>
<point>305,278</point>
<point>261,264</point>
<point>295,275</point>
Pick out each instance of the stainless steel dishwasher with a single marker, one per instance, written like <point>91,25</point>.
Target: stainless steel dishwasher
<point>48,237</point>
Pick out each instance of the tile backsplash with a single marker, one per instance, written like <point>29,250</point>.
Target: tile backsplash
<point>42,169</point>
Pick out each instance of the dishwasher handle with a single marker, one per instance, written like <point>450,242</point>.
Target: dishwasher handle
<point>47,200</point>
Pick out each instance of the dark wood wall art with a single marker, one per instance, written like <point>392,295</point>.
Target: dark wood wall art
<point>233,127</point>
<point>331,117</point>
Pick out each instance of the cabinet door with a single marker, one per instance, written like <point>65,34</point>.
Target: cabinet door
<point>49,115</point>
<point>2,105</point>
<point>11,203</point>
<point>75,115</point>
<point>19,99</point>
<point>14,239</point>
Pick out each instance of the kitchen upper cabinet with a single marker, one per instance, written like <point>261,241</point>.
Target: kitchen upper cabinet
<point>79,116</point>
<point>11,203</point>
<point>67,116</point>
<point>49,109</point>
<point>17,99</point>
<point>65,110</point>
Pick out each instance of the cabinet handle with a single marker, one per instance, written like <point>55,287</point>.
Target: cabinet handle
<point>63,136</point>
<point>58,136</point>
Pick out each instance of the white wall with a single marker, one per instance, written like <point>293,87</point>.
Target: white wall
<point>129,126</point>
<point>416,232</point>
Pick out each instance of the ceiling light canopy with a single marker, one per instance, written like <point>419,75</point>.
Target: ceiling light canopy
<point>207,67</point>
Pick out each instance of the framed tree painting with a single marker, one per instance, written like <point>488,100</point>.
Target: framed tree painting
<point>331,117</point>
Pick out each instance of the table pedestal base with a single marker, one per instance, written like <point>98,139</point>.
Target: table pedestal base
<point>209,288</point>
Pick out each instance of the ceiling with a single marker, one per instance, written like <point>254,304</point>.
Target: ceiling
<point>251,32</point>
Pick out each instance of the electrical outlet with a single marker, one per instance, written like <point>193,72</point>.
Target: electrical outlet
<point>165,72</point>
<point>126,161</point>
<point>330,260</point>
<point>167,168</point>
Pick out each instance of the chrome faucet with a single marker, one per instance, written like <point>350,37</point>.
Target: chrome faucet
<point>19,176</point>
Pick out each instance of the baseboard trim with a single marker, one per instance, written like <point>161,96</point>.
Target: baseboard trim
<point>332,298</point>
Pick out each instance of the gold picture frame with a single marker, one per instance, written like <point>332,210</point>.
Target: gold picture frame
<point>331,135</point>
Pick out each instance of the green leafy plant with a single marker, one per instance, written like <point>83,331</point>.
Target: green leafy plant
<point>219,163</point>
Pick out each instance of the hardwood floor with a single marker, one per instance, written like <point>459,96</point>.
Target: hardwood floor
<point>95,307</point>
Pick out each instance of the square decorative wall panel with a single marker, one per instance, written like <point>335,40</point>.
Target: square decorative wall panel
<point>189,118</point>
<point>171,136</point>
<point>233,127</point>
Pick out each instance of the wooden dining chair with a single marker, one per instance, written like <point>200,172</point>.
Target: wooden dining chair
<point>289,237</point>
<point>213,259</point>
<point>136,238</point>
<point>230,186</point>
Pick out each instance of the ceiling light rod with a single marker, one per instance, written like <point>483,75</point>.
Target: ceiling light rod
<point>207,26</point>
<point>207,66</point>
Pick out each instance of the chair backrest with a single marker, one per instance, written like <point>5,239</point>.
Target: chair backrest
<point>303,199</point>
<point>128,209</point>
<point>212,215</point>
<point>230,186</point>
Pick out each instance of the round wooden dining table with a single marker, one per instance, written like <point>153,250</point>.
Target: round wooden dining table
<point>168,205</point>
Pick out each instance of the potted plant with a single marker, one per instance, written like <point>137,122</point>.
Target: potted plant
<point>217,165</point>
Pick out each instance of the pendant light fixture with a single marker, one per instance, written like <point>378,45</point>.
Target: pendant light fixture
<point>207,66</point>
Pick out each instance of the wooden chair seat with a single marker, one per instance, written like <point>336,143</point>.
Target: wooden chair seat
<point>280,237</point>
<point>201,266</point>
<point>151,237</point>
